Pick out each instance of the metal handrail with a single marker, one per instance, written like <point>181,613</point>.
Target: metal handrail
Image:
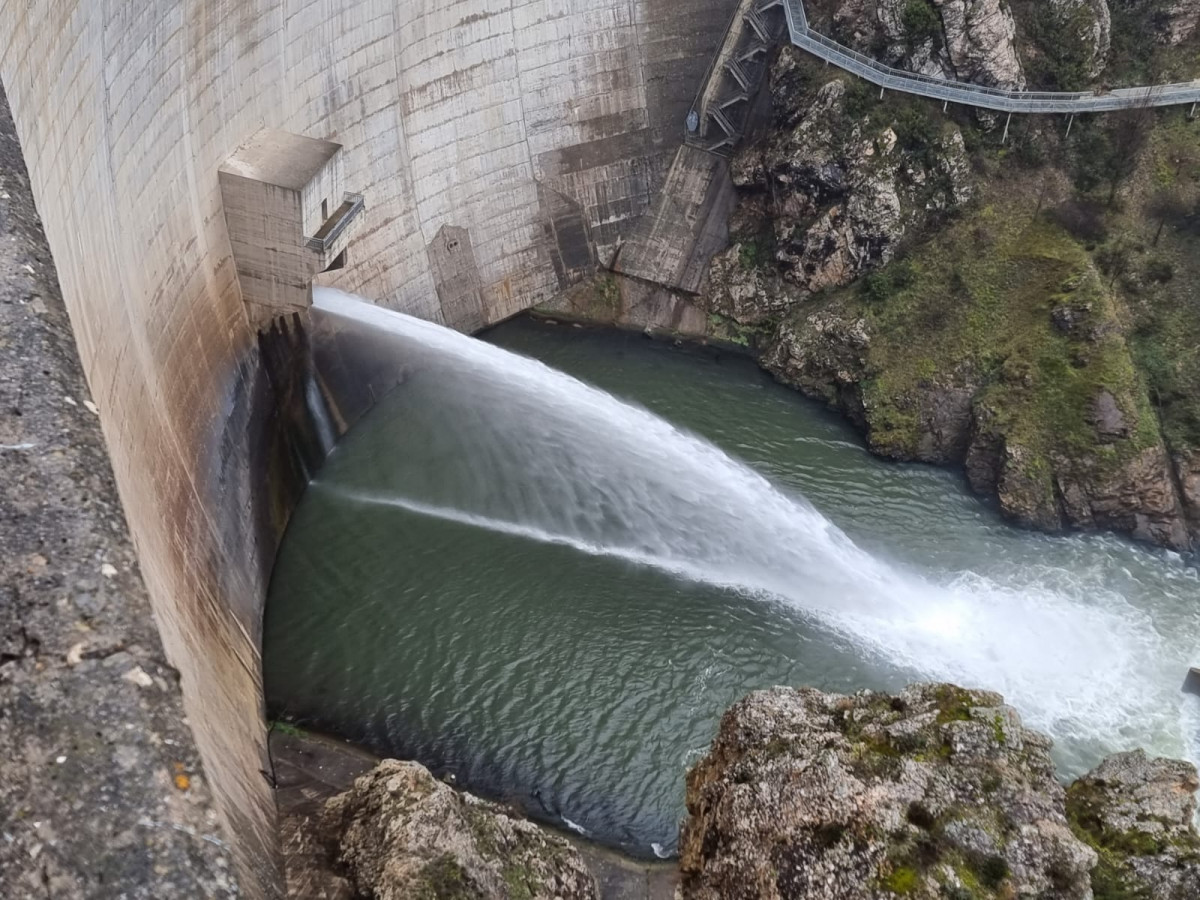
<point>998,99</point>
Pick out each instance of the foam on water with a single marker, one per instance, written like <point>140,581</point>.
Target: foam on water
<point>550,458</point>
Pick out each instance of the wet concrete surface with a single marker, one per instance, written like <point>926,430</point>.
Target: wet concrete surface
<point>101,792</point>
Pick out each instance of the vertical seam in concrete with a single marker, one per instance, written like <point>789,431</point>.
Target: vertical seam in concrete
<point>512,28</point>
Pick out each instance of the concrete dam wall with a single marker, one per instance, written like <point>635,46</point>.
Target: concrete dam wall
<point>503,150</point>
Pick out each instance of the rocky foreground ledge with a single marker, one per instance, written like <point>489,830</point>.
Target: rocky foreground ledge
<point>936,793</point>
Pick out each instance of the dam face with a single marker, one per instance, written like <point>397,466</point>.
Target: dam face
<point>504,149</point>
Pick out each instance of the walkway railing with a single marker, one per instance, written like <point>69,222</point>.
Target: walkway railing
<point>944,89</point>
<point>968,94</point>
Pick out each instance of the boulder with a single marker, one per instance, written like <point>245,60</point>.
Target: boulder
<point>400,834</point>
<point>935,792</point>
<point>1138,812</point>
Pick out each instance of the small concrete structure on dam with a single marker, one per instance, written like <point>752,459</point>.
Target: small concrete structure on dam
<point>502,150</point>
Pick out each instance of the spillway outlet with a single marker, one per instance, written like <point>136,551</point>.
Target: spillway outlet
<point>289,218</point>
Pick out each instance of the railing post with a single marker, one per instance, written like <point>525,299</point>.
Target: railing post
<point>945,106</point>
<point>881,92</point>
<point>1192,114</point>
<point>1070,122</point>
<point>1004,139</point>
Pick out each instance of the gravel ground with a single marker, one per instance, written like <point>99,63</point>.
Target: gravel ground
<point>101,792</point>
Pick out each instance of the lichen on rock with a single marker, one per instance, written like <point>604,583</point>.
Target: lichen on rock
<point>935,792</point>
<point>400,834</point>
<point>1138,813</point>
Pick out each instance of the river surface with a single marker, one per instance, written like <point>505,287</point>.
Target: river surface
<point>459,586</point>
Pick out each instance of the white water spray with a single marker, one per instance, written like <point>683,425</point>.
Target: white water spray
<point>549,458</point>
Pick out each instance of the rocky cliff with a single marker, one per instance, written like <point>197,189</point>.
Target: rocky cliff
<point>935,792</point>
<point>1021,307</point>
<point>400,834</point>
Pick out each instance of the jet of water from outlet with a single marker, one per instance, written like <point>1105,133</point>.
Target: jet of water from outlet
<point>550,458</point>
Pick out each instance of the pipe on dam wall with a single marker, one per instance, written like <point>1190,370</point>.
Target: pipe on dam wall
<point>480,117</point>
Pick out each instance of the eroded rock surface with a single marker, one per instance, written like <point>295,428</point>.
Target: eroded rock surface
<point>1138,812</point>
<point>839,197</point>
<point>1180,19</point>
<point>1089,22</point>
<point>966,40</point>
<point>403,835</point>
<point>980,42</point>
<point>935,792</point>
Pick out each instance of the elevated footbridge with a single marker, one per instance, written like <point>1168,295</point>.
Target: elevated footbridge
<point>717,97</point>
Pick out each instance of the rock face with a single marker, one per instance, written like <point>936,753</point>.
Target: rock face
<point>980,42</point>
<point>403,835</point>
<point>960,352</point>
<point>1138,813</point>
<point>826,353</point>
<point>1090,21</point>
<point>936,792</point>
<point>839,197</point>
<point>1180,20</point>
<point>967,40</point>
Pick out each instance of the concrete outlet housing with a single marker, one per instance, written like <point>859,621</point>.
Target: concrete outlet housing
<point>276,190</point>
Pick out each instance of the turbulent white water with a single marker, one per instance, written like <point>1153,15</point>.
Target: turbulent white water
<point>555,460</point>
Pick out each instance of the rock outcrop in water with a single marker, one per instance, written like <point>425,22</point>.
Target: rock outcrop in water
<point>401,834</point>
<point>935,792</point>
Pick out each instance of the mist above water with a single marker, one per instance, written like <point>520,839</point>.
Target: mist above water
<point>495,443</point>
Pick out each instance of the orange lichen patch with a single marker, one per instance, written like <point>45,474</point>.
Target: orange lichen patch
<point>182,782</point>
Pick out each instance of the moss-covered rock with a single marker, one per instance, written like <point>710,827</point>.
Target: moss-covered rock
<point>1138,813</point>
<point>400,834</point>
<point>935,792</point>
<point>993,316</point>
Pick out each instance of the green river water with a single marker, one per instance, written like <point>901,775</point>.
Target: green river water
<point>525,662</point>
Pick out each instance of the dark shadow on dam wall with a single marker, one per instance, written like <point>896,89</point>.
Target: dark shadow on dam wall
<point>305,384</point>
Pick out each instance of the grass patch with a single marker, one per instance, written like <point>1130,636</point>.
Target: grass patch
<point>283,726</point>
<point>975,307</point>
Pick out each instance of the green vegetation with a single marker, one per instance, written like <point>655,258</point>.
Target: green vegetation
<point>444,879</point>
<point>913,860</point>
<point>921,23</point>
<point>290,728</point>
<point>516,879</point>
<point>954,704</point>
<point>992,871</point>
<point>729,331</point>
<point>1060,34</point>
<point>608,295</point>
<point>902,880</point>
